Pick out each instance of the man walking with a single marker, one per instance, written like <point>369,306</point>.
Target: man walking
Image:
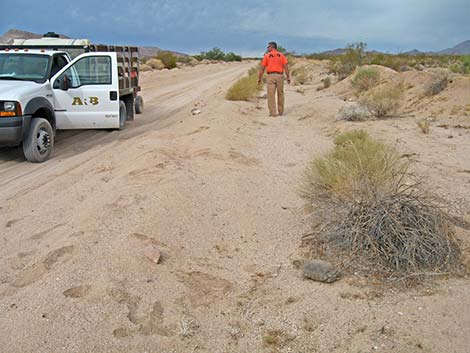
<point>276,64</point>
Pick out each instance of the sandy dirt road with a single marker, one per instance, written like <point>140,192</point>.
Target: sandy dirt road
<point>215,193</point>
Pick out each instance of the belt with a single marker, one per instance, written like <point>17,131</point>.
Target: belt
<point>275,72</point>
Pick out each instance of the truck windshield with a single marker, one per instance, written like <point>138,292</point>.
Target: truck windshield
<point>24,67</point>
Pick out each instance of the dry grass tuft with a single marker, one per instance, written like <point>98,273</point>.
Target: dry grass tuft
<point>373,215</point>
<point>245,88</point>
<point>155,63</point>
<point>383,100</point>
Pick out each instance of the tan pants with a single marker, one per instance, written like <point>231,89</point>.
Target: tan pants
<point>276,83</point>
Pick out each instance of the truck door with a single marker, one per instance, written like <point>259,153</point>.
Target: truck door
<point>86,93</point>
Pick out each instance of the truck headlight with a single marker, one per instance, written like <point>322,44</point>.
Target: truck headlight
<point>9,106</point>
<point>10,109</point>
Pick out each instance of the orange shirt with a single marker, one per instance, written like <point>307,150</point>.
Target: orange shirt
<point>274,61</point>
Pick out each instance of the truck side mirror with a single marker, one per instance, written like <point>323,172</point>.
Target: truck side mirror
<point>64,83</point>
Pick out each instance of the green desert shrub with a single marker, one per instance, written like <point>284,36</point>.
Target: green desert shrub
<point>383,100</point>
<point>462,66</point>
<point>229,57</point>
<point>345,64</point>
<point>365,78</point>
<point>218,54</point>
<point>371,216</point>
<point>168,59</point>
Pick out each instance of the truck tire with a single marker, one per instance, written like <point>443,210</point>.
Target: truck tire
<point>38,145</point>
<point>122,115</point>
<point>139,105</point>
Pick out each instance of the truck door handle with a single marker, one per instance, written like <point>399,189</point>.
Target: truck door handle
<point>113,95</point>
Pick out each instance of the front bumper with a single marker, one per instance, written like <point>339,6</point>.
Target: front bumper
<point>13,130</point>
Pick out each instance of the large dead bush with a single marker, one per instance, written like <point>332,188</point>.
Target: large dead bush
<point>371,217</point>
<point>437,84</point>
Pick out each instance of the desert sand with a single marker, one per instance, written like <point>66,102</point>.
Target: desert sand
<point>216,194</point>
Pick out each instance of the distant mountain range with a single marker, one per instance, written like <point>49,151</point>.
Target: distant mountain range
<point>460,49</point>
<point>148,51</point>
<point>12,34</point>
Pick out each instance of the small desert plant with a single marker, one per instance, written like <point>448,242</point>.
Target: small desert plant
<point>364,79</point>
<point>168,59</point>
<point>437,84</point>
<point>326,83</point>
<point>300,75</point>
<point>424,125</point>
<point>383,100</point>
<point>372,214</point>
<point>245,88</point>
<point>352,113</point>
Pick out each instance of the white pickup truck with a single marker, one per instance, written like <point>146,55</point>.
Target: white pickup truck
<point>43,90</point>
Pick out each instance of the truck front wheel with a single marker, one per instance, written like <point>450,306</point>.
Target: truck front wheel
<point>37,146</point>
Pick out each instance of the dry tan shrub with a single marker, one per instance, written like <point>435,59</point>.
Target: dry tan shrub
<point>156,64</point>
<point>438,84</point>
<point>383,100</point>
<point>145,67</point>
<point>301,75</point>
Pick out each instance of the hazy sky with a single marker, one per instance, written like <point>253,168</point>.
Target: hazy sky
<point>246,25</point>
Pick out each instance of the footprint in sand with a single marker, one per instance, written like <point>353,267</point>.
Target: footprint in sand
<point>12,222</point>
<point>204,289</point>
<point>150,323</point>
<point>37,270</point>
<point>242,159</point>
<point>198,130</point>
<point>77,292</point>
<point>40,235</point>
